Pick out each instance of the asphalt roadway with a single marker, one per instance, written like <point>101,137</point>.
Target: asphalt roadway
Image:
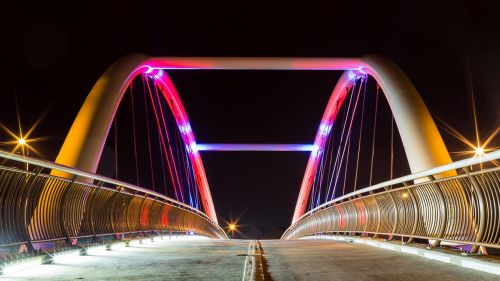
<point>225,260</point>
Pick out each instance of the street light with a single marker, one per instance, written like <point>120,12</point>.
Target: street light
<point>232,229</point>
<point>479,151</point>
<point>21,140</point>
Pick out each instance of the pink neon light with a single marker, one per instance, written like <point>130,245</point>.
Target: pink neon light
<point>182,120</point>
<point>170,147</point>
<point>152,68</point>
<point>354,66</point>
<point>336,100</point>
<point>258,63</point>
<point>173,176</point>
<point>254,147</point>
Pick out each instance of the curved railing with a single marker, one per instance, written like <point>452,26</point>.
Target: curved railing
<point>112,206</point>
<point>462,209</point>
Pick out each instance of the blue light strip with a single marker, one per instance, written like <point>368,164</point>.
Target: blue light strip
<point>254,147</point>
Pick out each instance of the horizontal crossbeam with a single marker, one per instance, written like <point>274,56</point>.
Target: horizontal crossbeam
<point>258,63</point>
<point>254,147</point>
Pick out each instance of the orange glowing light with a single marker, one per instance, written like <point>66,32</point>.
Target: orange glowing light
<point>22,141</point>
<point>479,151</point>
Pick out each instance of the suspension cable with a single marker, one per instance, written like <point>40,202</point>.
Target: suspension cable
<point>162,166</point>
<point>162,142</point>
<point>191,177</point>
<point>116,145</point>
<point>340,142</point>
<point>374,134</point>
<point>392,148</point>
<point>165,127</point>
<point>332,148</point>
<point>348,135</point>
<point>182,164</point>
<point>146,82</point>
<point>346,165</point>
<point>317,184</point>
<point>360,135</point>
<point>322,170</point>
<point>134,134</point>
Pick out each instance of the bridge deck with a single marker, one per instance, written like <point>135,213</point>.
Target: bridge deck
<point>224,260</point>
<point>332,260</point>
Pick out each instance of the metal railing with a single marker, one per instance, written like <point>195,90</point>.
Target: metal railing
<point>37,207</point>
<point>462,209</point>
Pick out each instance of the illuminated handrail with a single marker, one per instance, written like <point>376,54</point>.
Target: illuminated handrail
<point>424,174</point>
<point>54,166</point>
<point>20,225</point>
<point>471,196</point>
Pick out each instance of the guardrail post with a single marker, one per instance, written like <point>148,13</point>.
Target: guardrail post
<point>379,216</point>
<point>350,216</point>
<point>63,208</point>
<point>395,213</point>
<point>366,215</point>
<point>26,186</point>
<point>26,219</point>
<point>442,210</point>
<point>417,215</point>
<point>482,209</point>
<point>112,211</point>
<point>156,202</point>
<point>92,204</point>
<point>151,209</point>
<point>126,212</point>
<point>140,211</point>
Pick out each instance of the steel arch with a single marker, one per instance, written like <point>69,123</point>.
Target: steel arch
<point>85,141</point>
<point>421,139</point>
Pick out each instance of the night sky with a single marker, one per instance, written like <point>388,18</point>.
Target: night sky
<point>61,51</point>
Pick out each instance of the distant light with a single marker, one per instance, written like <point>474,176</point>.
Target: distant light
<point>479,151</point>
<point>191,233</point>
<point>404,195</point>
<point>21,141</point>
<point>232,226</point>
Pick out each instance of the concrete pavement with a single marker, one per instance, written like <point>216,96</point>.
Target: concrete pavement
<point>160,260</point>
<point>225,260</point>
<point>333,260</point>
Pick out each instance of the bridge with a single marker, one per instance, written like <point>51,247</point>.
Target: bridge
<point>156,219</point>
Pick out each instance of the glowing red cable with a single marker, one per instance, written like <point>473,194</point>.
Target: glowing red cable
<point>162,140</point>
<point>165,126</point>
<point>148,134</point>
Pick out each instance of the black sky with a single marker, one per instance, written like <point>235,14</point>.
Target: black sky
<point>61,50</point>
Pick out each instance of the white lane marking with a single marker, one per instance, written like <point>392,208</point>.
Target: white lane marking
<point>253,269</point>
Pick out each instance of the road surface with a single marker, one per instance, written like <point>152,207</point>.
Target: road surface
<point>225,260</point>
